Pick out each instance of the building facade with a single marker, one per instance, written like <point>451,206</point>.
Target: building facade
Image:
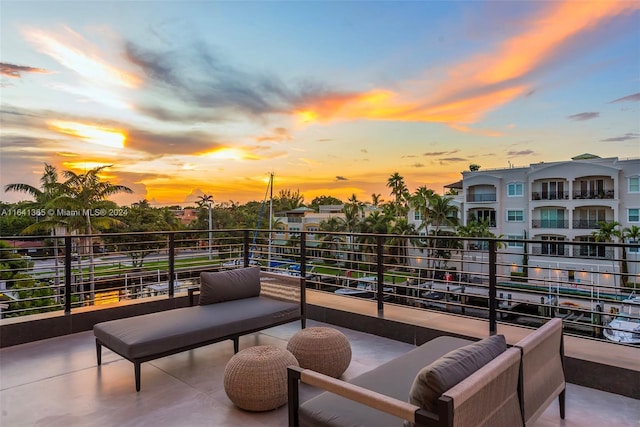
<point>559,204</point>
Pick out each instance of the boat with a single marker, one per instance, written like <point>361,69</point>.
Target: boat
<point>625,326</point>
<point>366,287</point>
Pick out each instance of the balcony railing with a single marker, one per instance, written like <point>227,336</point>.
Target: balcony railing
<point>608,194</point>
<point>586,224</point>
<point>550,195</point>
<point>549,223</point>
<point>593,251</point>
<point>481,197</point>
<point>551,249</point>
<point>476,277</point>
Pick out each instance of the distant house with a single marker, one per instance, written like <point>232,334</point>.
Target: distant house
<point>186,215</point>
<point>35,248</point>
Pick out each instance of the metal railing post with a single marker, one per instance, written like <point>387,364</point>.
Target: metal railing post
<point>380,271</point>
<point>172,263</point>
<point>245,247</point>
<point>303,273</point>
<point>493,303</point>
<point>67,274</point>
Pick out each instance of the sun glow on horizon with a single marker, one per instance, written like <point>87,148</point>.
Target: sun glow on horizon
<point>82,166</point>
<point>306,116</point>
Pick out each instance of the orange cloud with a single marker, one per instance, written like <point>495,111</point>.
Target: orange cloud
<point>15,71</point>
<point>545,35</point>
<point>482,83</point>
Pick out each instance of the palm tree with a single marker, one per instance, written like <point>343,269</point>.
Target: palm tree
<point>607,232</point>
<point>207,200</point>
<point>332,225</point>
<point>442,212</point>
<point>421,202</point>
<point>87,194</point>
<point>400,192</point>
<point>376,199</point>
<point>50,188</point>
<point>630,234</point>
<point>401,229</point>
<point>353,212</point>
<point>288,200</point>
<point>375,223</point>
<point>475,228</point>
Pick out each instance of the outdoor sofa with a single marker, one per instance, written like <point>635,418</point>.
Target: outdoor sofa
<point>445,382</point>
<point>230,305</point>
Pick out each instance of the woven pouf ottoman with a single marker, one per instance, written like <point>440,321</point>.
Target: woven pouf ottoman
<point>324,350</point>
<point>255,378</point>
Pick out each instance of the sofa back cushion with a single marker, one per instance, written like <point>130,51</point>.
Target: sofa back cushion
<point>433,380</point>
<point>229,285</point>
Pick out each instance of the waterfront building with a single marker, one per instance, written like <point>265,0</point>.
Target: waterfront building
<point>556,203</point>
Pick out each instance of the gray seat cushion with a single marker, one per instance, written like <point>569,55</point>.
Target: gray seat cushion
<point>393,379</point>
<point>142,336</point>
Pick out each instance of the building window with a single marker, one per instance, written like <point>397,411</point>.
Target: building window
<point>551,218</point>
<point>515,189</point>
<point>552,248</point>
<point>515,244</point>
<point>417,216</point>
<point>633,249</point>
<point>488,215</point>
<point>592,251</point>
<point>634,184</point>
<point>515,216</point>
<point>634,215</point>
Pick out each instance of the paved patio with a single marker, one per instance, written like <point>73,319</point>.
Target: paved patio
<point>56,382</point>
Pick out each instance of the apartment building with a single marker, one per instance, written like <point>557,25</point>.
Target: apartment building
<point>556,203</point>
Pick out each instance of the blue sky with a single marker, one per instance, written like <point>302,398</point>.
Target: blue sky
<point>185,98</point>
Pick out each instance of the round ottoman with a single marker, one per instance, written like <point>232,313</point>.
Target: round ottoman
<point>255,378</point>
<point>324,350</point>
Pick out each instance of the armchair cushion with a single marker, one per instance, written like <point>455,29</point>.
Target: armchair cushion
<point>441,375</point>
<point>229,285</point>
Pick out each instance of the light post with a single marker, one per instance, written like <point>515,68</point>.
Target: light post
<point>210,233</point>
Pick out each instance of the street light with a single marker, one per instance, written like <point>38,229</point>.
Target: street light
<point>208,200</point>
<point>210,233</point>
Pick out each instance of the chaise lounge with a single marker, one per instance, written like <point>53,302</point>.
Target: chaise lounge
<point>230,305</point>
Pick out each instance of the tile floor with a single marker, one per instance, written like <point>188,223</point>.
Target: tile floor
<point>56,382</point>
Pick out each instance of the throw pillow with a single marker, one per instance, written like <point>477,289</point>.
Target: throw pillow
<point>229,285</point>
<point>438,377</point>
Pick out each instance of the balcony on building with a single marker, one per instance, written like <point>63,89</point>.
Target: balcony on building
<point>481,193</point>
<point>482,215</point>
<point>550,189</point>
<point>550,245</point>
<point>593,187</point>
<point>550,217</point>
<point>590,218</point>
<point>589,249</point>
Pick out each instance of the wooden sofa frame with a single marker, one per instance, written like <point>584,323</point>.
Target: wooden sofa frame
<point>532,400</point>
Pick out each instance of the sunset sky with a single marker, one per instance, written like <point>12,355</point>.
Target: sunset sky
<point>185,98</point>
